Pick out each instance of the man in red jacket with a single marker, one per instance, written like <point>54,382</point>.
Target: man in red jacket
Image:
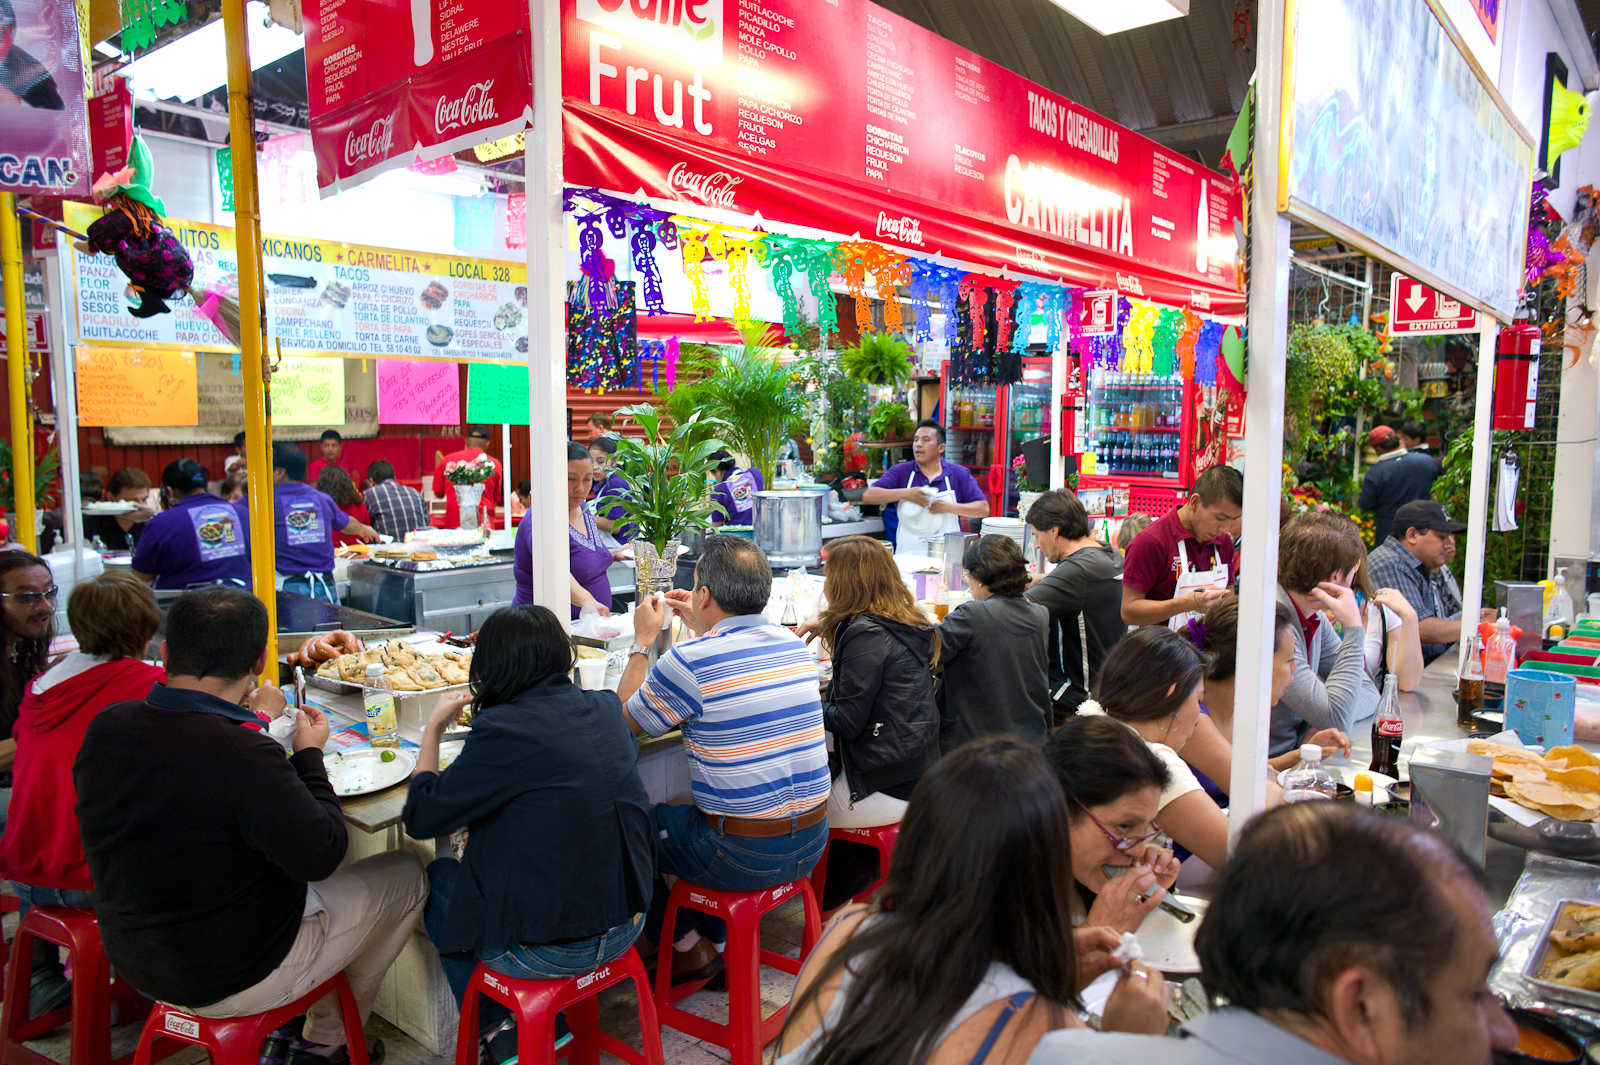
<point>113,617</point>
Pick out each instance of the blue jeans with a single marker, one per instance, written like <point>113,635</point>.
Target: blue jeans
<point>319,588</point>
<point>29,896</point>
<point>688,847</point>
<point>525,961</point>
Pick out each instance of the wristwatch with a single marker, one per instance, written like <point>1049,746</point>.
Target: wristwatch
<point>639,649</point>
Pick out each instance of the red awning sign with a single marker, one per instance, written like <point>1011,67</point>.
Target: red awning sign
<point>1416,308</point>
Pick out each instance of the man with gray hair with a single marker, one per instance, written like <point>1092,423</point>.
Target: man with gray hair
<point>745,695</point>
<point>1334,935</point>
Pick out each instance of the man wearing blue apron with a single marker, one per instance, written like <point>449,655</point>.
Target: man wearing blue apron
<point>199,539</point>
<point>304,521</point>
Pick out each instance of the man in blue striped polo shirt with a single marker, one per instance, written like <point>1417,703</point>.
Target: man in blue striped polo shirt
<point>745,695</point>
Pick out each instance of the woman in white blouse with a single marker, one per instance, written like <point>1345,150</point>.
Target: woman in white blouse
<point>1151,681</point>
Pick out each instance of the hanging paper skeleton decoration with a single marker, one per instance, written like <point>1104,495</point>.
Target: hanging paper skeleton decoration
<point>156,264</point>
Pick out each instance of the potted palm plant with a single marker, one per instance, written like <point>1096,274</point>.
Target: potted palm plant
<point>755,398</point>
<point>667,493</point>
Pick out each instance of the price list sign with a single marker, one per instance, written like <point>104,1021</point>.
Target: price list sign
<point>322,298</point>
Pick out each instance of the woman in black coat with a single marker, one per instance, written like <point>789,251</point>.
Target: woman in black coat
<point>879,706</point>
<point>559,865</point>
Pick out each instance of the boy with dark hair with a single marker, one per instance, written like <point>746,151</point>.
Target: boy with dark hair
<point>1083,594</point>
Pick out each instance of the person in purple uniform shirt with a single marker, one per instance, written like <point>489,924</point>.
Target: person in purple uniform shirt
<point>736,491</point>
<point>199,539</point>
<point>928,468</point>
<point>304,522</point>
<point>589,558</point>
<point>609,485</point>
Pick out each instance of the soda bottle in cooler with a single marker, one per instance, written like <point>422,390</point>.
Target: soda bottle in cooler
<point>1387,730</point>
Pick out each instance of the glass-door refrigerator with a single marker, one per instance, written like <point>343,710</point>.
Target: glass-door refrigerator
<point>1027,418</point>
<point>973,417</point>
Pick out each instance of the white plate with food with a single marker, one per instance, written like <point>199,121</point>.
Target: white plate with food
<point>110,507</point>
<point>1168,943</point>
<point>363,771</point>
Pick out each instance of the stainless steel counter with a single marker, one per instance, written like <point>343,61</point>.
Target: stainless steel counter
<point>449,600</point>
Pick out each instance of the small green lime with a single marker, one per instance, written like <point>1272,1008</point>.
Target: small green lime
<point>386,756</point>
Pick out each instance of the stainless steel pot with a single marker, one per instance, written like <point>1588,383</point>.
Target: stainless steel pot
<point>788,527</point>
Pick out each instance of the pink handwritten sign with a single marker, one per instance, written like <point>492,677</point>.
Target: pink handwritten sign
<point>418,393</point>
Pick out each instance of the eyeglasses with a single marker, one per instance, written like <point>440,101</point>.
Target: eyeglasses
<point>1121,843</point>
<point>31,598</point>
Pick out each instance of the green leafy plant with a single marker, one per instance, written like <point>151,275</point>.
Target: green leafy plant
<point>890,420</point>
<point>755,398</point>
<point>666,473</point>
<point>879,359</point>
<point>46,469</point>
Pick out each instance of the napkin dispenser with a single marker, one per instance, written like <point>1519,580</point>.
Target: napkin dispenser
<point>1450,796</point>
<point>955,546</point>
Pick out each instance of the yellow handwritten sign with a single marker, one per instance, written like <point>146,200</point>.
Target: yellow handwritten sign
<point>137,386</point>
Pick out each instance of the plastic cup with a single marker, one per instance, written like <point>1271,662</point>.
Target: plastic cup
<point>592,674</point>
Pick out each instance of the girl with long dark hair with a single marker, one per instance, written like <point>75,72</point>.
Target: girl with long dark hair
<point>967,954</point>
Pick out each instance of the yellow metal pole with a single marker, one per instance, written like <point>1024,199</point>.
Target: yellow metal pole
<point>252,312</point>
<point>18,376</point>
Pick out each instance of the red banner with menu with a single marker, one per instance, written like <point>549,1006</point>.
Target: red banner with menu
<point>391,80</point>
<point>840,115</point>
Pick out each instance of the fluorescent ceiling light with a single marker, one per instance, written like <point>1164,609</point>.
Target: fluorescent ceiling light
<point>196,63</point>
<point>1114,16</point>
<point>109,50</point>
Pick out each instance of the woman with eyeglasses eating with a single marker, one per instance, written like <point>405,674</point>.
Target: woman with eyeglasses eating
<point>1114,784</point>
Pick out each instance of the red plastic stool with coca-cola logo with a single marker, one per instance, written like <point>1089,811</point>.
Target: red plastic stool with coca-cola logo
<point>536,1003</point>
<point>93,990</point>
<point>746,1033</point>
<point>881,838</point>
<point>237,1040</point>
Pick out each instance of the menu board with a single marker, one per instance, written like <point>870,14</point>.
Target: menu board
<point>846,90</point>
<point>323,298</point>
<point>1413,154</point>
<point>134,386</point>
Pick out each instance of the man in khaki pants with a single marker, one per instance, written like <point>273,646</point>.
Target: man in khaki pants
<point>216,859</point>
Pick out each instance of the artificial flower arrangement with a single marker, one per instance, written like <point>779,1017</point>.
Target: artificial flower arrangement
<point>472,471</point>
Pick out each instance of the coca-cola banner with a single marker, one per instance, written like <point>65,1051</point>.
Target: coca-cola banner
<point>44,123</point>
<point>393,80</point>
<point>841,115</point>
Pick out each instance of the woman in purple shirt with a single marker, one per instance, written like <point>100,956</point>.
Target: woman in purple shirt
<point>589,558</point>
<point>736,491</point>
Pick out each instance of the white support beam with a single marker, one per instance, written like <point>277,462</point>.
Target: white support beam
<point>547,362</point>
<point>1263,437</point>
<point>1478,505</point>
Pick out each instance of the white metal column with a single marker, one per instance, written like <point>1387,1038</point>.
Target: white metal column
<point>1263,436</point>
<point>547,364</point>
<point>1478,507</point>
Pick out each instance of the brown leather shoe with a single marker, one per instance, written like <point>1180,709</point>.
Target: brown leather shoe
<point>699,962</point>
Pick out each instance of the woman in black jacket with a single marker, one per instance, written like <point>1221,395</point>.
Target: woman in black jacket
<point>559,865</point>
<point>879,705</point>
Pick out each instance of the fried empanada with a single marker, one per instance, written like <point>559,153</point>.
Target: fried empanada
<point>426,675</point>
<point>402,681</point>
<point>1584,935</point>
<point>1577,970</point>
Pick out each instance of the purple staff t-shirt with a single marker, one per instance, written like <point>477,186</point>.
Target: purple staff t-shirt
<point>304,521</point>
<point>198,539</point>
<point>737,494</point>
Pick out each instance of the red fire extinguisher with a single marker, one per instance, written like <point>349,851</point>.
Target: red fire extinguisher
<point>1516,376</point>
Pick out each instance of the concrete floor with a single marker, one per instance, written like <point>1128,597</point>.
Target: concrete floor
<point>780,932</point>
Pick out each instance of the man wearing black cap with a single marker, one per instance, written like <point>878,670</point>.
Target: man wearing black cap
<point>199,539</point>
<point>477,443</point>
<point>1411,561</point>
<point>1395,479</point>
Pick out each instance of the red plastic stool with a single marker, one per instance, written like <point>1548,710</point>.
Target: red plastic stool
<point>237,1040</point>
<point>93,989</point>
<point>881,837</point>
<point>536,1003</point>
<point>746,1033</point>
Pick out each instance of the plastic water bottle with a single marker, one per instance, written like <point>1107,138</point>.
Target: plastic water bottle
<point>1500,652</point>
<point>1561,610</point>
<point>1310,779</point>
<point>378,698</point>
